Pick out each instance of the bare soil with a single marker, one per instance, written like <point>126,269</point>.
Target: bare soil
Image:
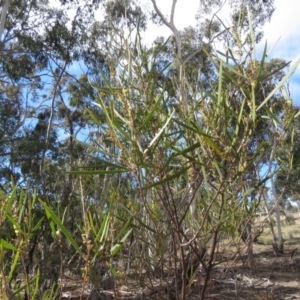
<point>271,277</point>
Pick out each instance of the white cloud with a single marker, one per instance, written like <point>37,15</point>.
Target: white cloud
<point>184,17</point>
<point>283,34</point>
<point>284,29</point>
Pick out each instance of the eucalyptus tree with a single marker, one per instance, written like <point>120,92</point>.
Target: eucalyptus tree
<point>285,162</point>
<point>38,45</point>
<point>41,102</point>
<point>268,135</point>
<point>287,179</point>
<point>41,41</point>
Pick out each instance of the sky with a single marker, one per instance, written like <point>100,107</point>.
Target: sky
<point>285,23</point>
<point>282,33</point>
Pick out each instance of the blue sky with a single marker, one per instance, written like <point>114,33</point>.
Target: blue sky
<point>282,33</point>
<point>285,26</point>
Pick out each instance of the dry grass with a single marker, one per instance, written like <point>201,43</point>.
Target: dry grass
<point>271,277</point>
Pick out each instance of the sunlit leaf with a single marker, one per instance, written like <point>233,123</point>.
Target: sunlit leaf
<point>63,229</point>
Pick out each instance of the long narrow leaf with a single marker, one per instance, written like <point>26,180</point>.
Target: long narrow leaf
<point>15,224</point>
<point>61,227</point>
<point>14,265</point>
<point>117,248</point>
<point>10,200</point>
<point>167,179</point>
<point>220,81</point>
<point>152,112</point>
<point>91,222</point>
<point>97,172</point>
<point>279,85</point>
<point>253,42</point>
<point>8,245</point>
<point>157,136</point>
<point>102,228</point>
<point>213,146</point>
<point>253,110</point>
<point>95,149</point>
<point>94,117</point>
<point>262,63</point>
<point>104,163</point>
<point>123,229</point>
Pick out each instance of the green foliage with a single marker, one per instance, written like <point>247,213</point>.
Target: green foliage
<point>20,226</point>
<point>196,151</point>
<point>290,219</point>
<point>145,159</point>
<point>287,179</point>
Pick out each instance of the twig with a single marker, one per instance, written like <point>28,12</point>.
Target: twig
<point>3,16</point>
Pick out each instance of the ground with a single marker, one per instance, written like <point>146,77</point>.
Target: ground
<point>271,277</point>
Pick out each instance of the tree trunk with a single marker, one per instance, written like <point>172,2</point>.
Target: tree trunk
<point>3,16</point>
<point>268,212</point>
<point>278,223</point>
<point>249,246</point>
<point>274,244</point>
<point>280,241</point>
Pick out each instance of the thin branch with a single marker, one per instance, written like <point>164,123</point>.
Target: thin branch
<point>172,27</point>
<point>51,119</point>
<point>173,12</point>
<point>3,16</point>
<point>161,15</point>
